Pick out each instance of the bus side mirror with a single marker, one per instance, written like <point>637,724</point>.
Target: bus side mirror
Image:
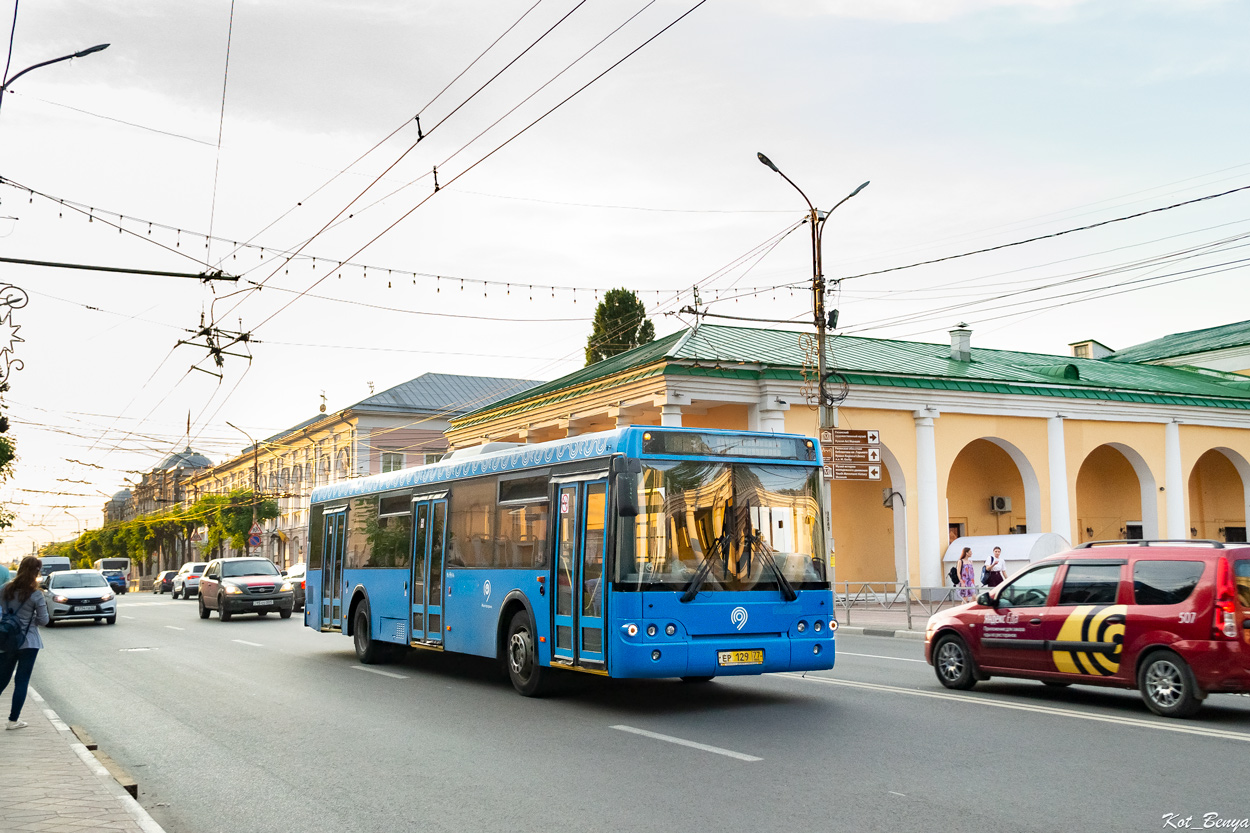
<point>626,488</point>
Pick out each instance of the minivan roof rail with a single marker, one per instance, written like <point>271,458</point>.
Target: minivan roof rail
<point>1148,542</point>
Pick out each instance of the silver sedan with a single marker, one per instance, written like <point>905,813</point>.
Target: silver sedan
<point>79,594</point>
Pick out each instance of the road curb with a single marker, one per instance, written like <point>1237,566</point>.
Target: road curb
<point>917,636</point>
<point>132,807</point>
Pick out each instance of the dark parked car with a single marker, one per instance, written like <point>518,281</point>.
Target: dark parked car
<point>164,581</point>
<point>116,580</point>
<point>297,574</point>
<point>244,585</point>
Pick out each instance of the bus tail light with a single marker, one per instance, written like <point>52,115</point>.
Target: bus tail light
<point>1225,623</point>
<point>630,629</point>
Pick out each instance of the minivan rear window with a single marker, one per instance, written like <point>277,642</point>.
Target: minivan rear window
<point>1090,584</point>
<point>1165,582</point>
<point>1241,573</point>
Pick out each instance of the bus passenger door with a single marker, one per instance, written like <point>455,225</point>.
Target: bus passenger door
<point>429,543</point>
<point>590,588</point>
<point>420,549</point>
<point>566,571</point>
<point>332,570</point>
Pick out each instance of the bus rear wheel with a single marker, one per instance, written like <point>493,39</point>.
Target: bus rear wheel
<point>528,677</point>
<point>368,650</point>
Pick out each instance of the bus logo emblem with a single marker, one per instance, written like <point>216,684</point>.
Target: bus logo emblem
<point>486,589</point>
<point>738,616</point>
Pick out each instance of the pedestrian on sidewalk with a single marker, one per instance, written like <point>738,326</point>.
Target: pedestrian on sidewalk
<point>22,598</point>
<point>967,575</point>
<point>995,571</point>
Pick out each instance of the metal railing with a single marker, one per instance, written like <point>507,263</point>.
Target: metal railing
<point>894,596</point>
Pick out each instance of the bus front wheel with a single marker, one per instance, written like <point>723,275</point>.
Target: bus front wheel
<point>368,650</point>
<point>528,677</point>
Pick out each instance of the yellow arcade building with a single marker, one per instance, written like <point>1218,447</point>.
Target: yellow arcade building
<point>1150,442</point>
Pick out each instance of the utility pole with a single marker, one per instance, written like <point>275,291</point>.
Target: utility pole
<point>255,472</point>
<point>817,219</point>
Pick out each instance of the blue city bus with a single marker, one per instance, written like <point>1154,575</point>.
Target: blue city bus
<point>638,552</point>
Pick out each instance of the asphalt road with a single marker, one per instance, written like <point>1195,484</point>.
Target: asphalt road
<point>262,724</point>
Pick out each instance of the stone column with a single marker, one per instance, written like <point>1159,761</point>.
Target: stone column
<point>927,515</point>
<point>1057,458</point>
<point>1174,482</point>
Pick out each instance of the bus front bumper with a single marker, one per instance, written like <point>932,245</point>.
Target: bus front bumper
<point>708,657</point>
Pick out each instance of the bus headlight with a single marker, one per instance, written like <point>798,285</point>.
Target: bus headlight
<point>816,648</point>
<point>655,655</point>
<point>670,629</point>
<point>818,626</point>
<point>801,626</point>
<point>651,630</point>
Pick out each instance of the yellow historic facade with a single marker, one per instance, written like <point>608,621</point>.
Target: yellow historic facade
<point>973,442</point>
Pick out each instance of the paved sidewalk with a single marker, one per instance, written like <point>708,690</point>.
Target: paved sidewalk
<point>50,782</point>
<point>880,622</point>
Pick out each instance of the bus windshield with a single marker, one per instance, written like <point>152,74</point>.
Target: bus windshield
<point>749,520</point>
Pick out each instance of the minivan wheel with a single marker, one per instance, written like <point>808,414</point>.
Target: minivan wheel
<point>952,662</point>
<point>1168,686</point>
<point>203,610</point>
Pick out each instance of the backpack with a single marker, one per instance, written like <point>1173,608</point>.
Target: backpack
<point>954,574</point>
<point>12,634</point>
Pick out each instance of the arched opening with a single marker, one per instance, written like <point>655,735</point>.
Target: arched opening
<point>1217,496</point>
<point>1115,496</point>
<point>991,490</point>
<point>869,525</point>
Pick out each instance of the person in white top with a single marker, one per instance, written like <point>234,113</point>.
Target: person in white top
<point>995,572</point>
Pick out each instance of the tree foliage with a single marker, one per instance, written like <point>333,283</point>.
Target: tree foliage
<point>227,519</point>
<point>620,324</point>
<point>8,456</point>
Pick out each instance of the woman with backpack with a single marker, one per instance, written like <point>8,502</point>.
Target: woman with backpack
<point>22,600</point>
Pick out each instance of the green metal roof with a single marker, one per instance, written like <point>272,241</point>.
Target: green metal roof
<point>738,352</point>
<point>1185,344</point>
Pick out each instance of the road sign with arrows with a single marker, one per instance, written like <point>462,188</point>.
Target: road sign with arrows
<point>851,455</point>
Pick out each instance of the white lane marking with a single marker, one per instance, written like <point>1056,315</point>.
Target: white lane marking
<point>900,795</point>
<point>245,642</point>
<point>381,672</point>
<point>878,656</point>
<point>728,753</point>
<point>175,628</point>
<point>124,616</point>
<point>1023,707</point>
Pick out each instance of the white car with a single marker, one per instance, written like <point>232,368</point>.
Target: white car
<point>187,582</point>
<point>79,594</point>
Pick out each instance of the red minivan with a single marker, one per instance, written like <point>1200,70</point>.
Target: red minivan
<point>1169,618</point>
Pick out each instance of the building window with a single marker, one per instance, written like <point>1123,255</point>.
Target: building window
<point>433,458</point>
<point>392,461</point>
<point>1081,351</point>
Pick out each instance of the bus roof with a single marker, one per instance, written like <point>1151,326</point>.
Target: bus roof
<point>627,440</point>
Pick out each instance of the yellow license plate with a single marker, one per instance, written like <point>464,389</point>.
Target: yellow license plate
<point>740,657</point>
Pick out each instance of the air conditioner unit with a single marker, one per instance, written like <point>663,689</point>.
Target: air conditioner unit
<point>1000,504</point>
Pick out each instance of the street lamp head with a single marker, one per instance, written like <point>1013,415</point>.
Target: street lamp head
<point>99,47</point>
<point>768,162</point>
<point>857,190</point>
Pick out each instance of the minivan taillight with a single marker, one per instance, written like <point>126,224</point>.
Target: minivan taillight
<point>1225,623</point>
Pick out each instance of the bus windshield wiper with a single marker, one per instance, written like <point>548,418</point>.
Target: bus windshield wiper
<point>705,567</point>
<point>787,590</point>
<point>752,538</point>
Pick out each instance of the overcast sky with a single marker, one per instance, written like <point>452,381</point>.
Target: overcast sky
<point>978,122</point>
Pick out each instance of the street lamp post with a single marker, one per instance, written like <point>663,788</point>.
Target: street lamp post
<point>8,82</point>
<point>255,470</point>
<point>817,220</point>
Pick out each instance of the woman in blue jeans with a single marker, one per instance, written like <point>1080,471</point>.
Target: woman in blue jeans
<point>22,597</point>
